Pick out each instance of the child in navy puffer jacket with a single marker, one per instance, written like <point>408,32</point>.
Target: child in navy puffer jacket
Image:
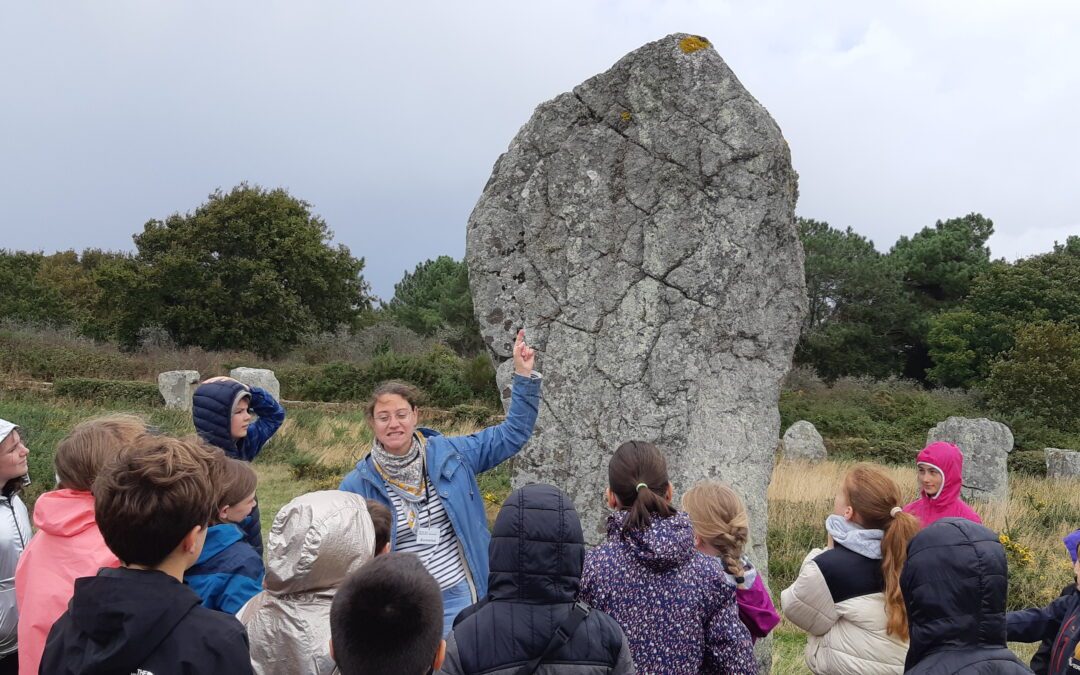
<point>222,411</point>
<point>675,605</point>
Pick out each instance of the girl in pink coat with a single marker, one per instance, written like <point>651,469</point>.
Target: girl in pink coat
<point>68,543</point>
<point>941,470</point>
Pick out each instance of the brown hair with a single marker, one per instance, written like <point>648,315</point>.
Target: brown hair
<point>91,445</point>
<point>150,497</point>
<point>383,520</point>
<point>873,495</point>
<point>234,480</point>
<point>639,463</point>
<point>719,518</point>
<point>392,388</point>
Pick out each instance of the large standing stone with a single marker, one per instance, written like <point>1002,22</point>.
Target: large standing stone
<point>641,228</point>
<point>258,377</point>
<point>1062,463</point>
<point>802,441</point>
<point>985,445</point>
<point>177,387</point>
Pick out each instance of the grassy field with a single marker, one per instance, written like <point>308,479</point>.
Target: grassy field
<point>319,444</point>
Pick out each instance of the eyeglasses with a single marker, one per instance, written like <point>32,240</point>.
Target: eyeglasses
<point>400,415</point>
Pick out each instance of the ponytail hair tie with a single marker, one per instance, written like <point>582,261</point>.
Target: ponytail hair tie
<point>896,510</point>
<point>639,486</point>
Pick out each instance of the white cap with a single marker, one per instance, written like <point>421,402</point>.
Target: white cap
<point>6,428</point>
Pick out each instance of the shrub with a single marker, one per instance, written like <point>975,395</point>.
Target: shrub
<point>1028,462</point>
<point>106,391</point>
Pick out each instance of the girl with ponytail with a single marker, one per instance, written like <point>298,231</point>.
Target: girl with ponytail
<point>675,605</point>
<point>721,531</point>
<point>848,597</point>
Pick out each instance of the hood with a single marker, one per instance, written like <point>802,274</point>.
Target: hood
<point>950,461</point>
<point>19,482</point>
<point>954,584</point>
<point>126,614</point>
<point>64,513</point>
<point>1072,540</point>
<point>667,542</point>
<point>219,538</point>
<point>537,550</point>
<point>211,411</point>
<point>318,540</point>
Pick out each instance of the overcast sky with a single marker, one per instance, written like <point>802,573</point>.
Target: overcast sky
<point>388,116</point>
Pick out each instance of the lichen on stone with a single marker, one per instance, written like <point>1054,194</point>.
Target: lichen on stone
<point>693,43</point>
<point>625,115</point>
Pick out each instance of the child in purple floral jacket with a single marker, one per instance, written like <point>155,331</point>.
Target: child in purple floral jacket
<point>721,531</point>
<point>675,605</point>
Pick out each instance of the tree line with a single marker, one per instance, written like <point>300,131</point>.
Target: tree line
<point>255,269</point>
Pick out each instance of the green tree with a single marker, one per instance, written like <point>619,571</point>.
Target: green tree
<point>965,341</point>
<point>1040,375</point>
<point>435,300</point>
<point>938,265</point>
<point>857,305</point>
<point>27,293</point>
<point>248,269</point>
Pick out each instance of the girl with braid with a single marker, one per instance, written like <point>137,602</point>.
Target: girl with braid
<point>721,531</point>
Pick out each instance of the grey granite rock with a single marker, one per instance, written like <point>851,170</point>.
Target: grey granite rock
<point>1062,463</point>
<point>641,229</point>
<point>177,387</point>
<point>802,441</point>
<point>985,445</point>
<point>258,377</point>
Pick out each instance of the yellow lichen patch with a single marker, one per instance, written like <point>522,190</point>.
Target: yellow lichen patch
<point>693,43</point>
<point>625,115</point>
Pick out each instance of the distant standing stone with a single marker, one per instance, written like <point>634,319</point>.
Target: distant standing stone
<point>802,441</point>
<point>258,377</point>
<point>986,445</point>
<point>1062,463</point>
<point>177,387</point>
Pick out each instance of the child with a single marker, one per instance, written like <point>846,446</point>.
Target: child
<point>941,471</point>
<point>531,597</point>
<point>152,506</point>
<point>222,411</point>
<point>229,572</point>
<point>382,519</point>
<point>848,597</point>
<point>1040,662</point>
<point>721,530</point>
<point>14,534</point>
<point>317,541</point>
<point>650,579</point>
<point>954,585</point>
<point>1059,621</point>
<point>387,619</point>
<point>68,544</point>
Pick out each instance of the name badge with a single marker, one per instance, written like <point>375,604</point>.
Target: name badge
<point>428,536</point>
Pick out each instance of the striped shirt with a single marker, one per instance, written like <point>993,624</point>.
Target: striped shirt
<point>443,561</point>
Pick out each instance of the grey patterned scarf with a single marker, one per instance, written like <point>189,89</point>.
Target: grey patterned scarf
<point>404,476</point>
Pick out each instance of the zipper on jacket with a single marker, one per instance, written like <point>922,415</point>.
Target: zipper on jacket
<point>15,517</point>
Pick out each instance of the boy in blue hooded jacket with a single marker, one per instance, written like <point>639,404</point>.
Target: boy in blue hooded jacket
<point>1057,625</point>
<point>222,410</point>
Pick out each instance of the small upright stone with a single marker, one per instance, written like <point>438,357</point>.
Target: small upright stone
<point>177,388</point>
<point>258,377</point>
<point>802,441</point>
<point>986,446</point>
<point>1062,463</point>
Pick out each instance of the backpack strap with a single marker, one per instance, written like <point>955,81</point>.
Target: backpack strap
<point>562,635</point>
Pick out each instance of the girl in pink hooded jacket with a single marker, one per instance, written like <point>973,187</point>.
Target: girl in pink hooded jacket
<point>941,471</point>
<point>68,543</point>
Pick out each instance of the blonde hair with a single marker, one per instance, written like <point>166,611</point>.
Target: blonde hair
<point>720,519</point>
<point>873,496</point>
<point>91,445</point>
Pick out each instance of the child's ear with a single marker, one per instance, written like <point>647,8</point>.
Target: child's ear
<point>385,549</point>
<point>669,493</point>
<point>440,656</point>
<point>190,542</point>
<point>223,514</point>
<point>612,500</point>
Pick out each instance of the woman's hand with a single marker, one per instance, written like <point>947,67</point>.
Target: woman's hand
<point>524,355</point>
